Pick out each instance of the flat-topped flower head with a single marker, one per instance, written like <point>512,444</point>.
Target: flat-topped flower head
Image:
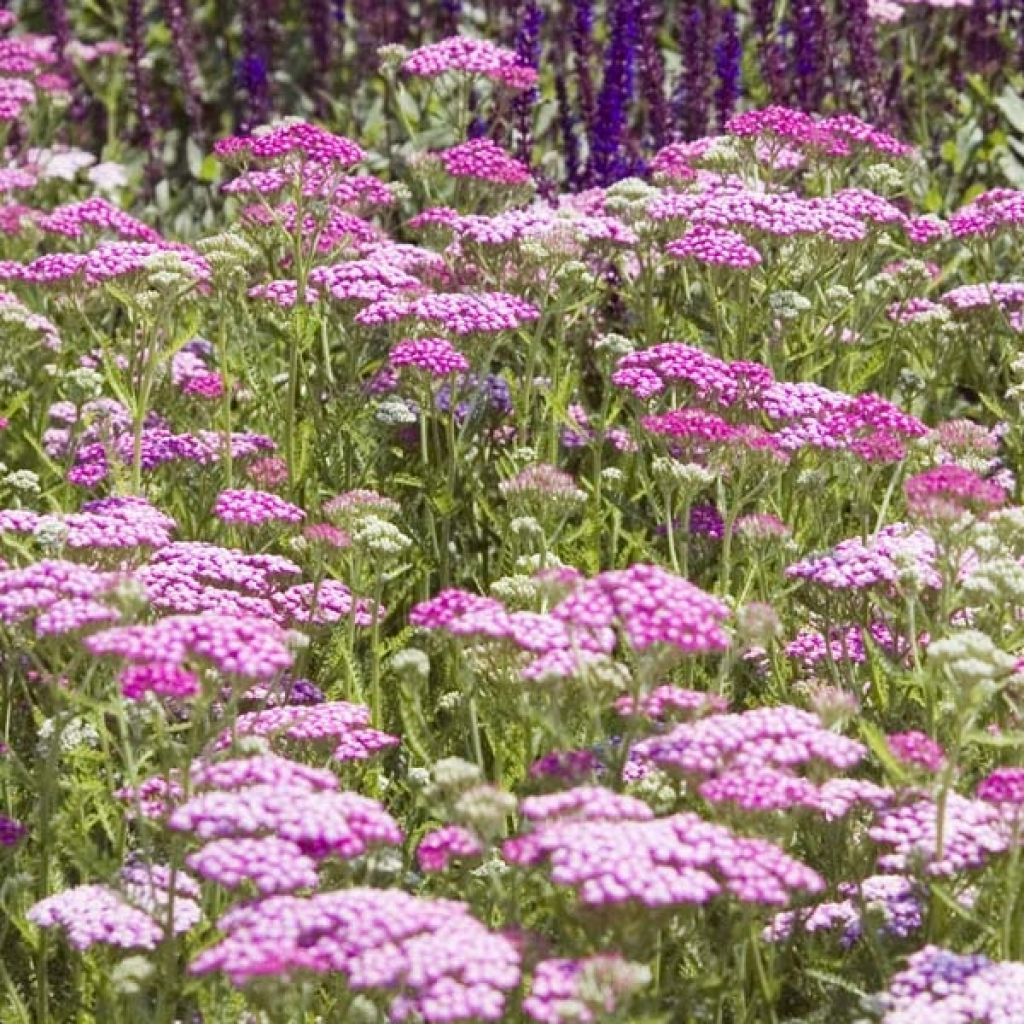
<point>782,737</point>
<point>716,247</point>
<point>270,864</point>
<point>434,356</point>
<point>948,491</point>
<point>340,724</point>
<point>435,961</point>
<point>897,901</point>
<point>940,985</point>
<point>291,140</point>
<point>582,990</point>
<point>973,831</point>
<point>441,846</point>
<point>669,702</point>
<point>917,750</point>
<point>544,485</point>
<point>652,607</point>
<point>484,160</point>
<point>255,508</point>
<point>661,862</point>
<point>458,312</point>
<point>472,57</point>
<point>1003,787</point>
<point>252,648</point>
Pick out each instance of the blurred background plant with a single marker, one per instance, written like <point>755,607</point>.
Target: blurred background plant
<point>618,78</point>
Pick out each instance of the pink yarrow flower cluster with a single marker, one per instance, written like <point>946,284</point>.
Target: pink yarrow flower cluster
<point>715,246</point>
<point>252,648</point>
<point>458,312</point>
<point>255,508</point>
<point>291,140</point>
<point>660,862</point>
<point>434,356</point>
<point>442,965</point>
<point>473,57</point>
<point>345,725</point>
<point>484,160</point>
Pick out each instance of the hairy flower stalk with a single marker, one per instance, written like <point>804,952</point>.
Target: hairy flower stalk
<point>696,28</point>
<point>135,39</point>
<point>528,50</point>
<point>810,53</point>
<point>728,58</point>
<point>254,65</point>
<point>581,37</point>
<point>611,157</point>
<point>652,73</point>
<point>771,55</point>
<point>318,23</point>
<point>186,46</point>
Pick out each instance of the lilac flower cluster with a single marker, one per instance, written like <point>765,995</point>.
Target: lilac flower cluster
<point>582,990</point>
<point>364,280</point>
<point>715,246</point>
<point>947,491</point>
<point>291,140</point>
<point>120,523</point>
<point>650,606</point>
<point>131,916</point>
<point>441,846</point>
<point>59,596</point>
<point>161,447</point>
<point>320,823</point>
<point>940,985</point>
<point>896,555</point>
<point>801,415</point>
<point>667,702</point>
<point>897,899</point>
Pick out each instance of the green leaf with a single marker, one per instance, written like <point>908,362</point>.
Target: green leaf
<point>1011,105</point>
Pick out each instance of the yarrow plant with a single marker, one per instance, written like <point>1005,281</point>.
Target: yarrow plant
<point>489,550</point>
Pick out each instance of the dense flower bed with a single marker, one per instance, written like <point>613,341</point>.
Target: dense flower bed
<point>432,599</point>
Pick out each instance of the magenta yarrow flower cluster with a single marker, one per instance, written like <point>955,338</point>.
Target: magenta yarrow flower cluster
<point>897,899</point>
<point>649,606</point>
<point>584,990</point>
<point>472,57</point>
<point>255,508</point>
<point>434,356</point>
<point>947,491</point>
<point>291,140</point>
<point>973,831</point>
<point>249,648</point>
<point>439,847</point>
<point>717,247</point>
<point>132,915</point>
<point>484,160</point>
